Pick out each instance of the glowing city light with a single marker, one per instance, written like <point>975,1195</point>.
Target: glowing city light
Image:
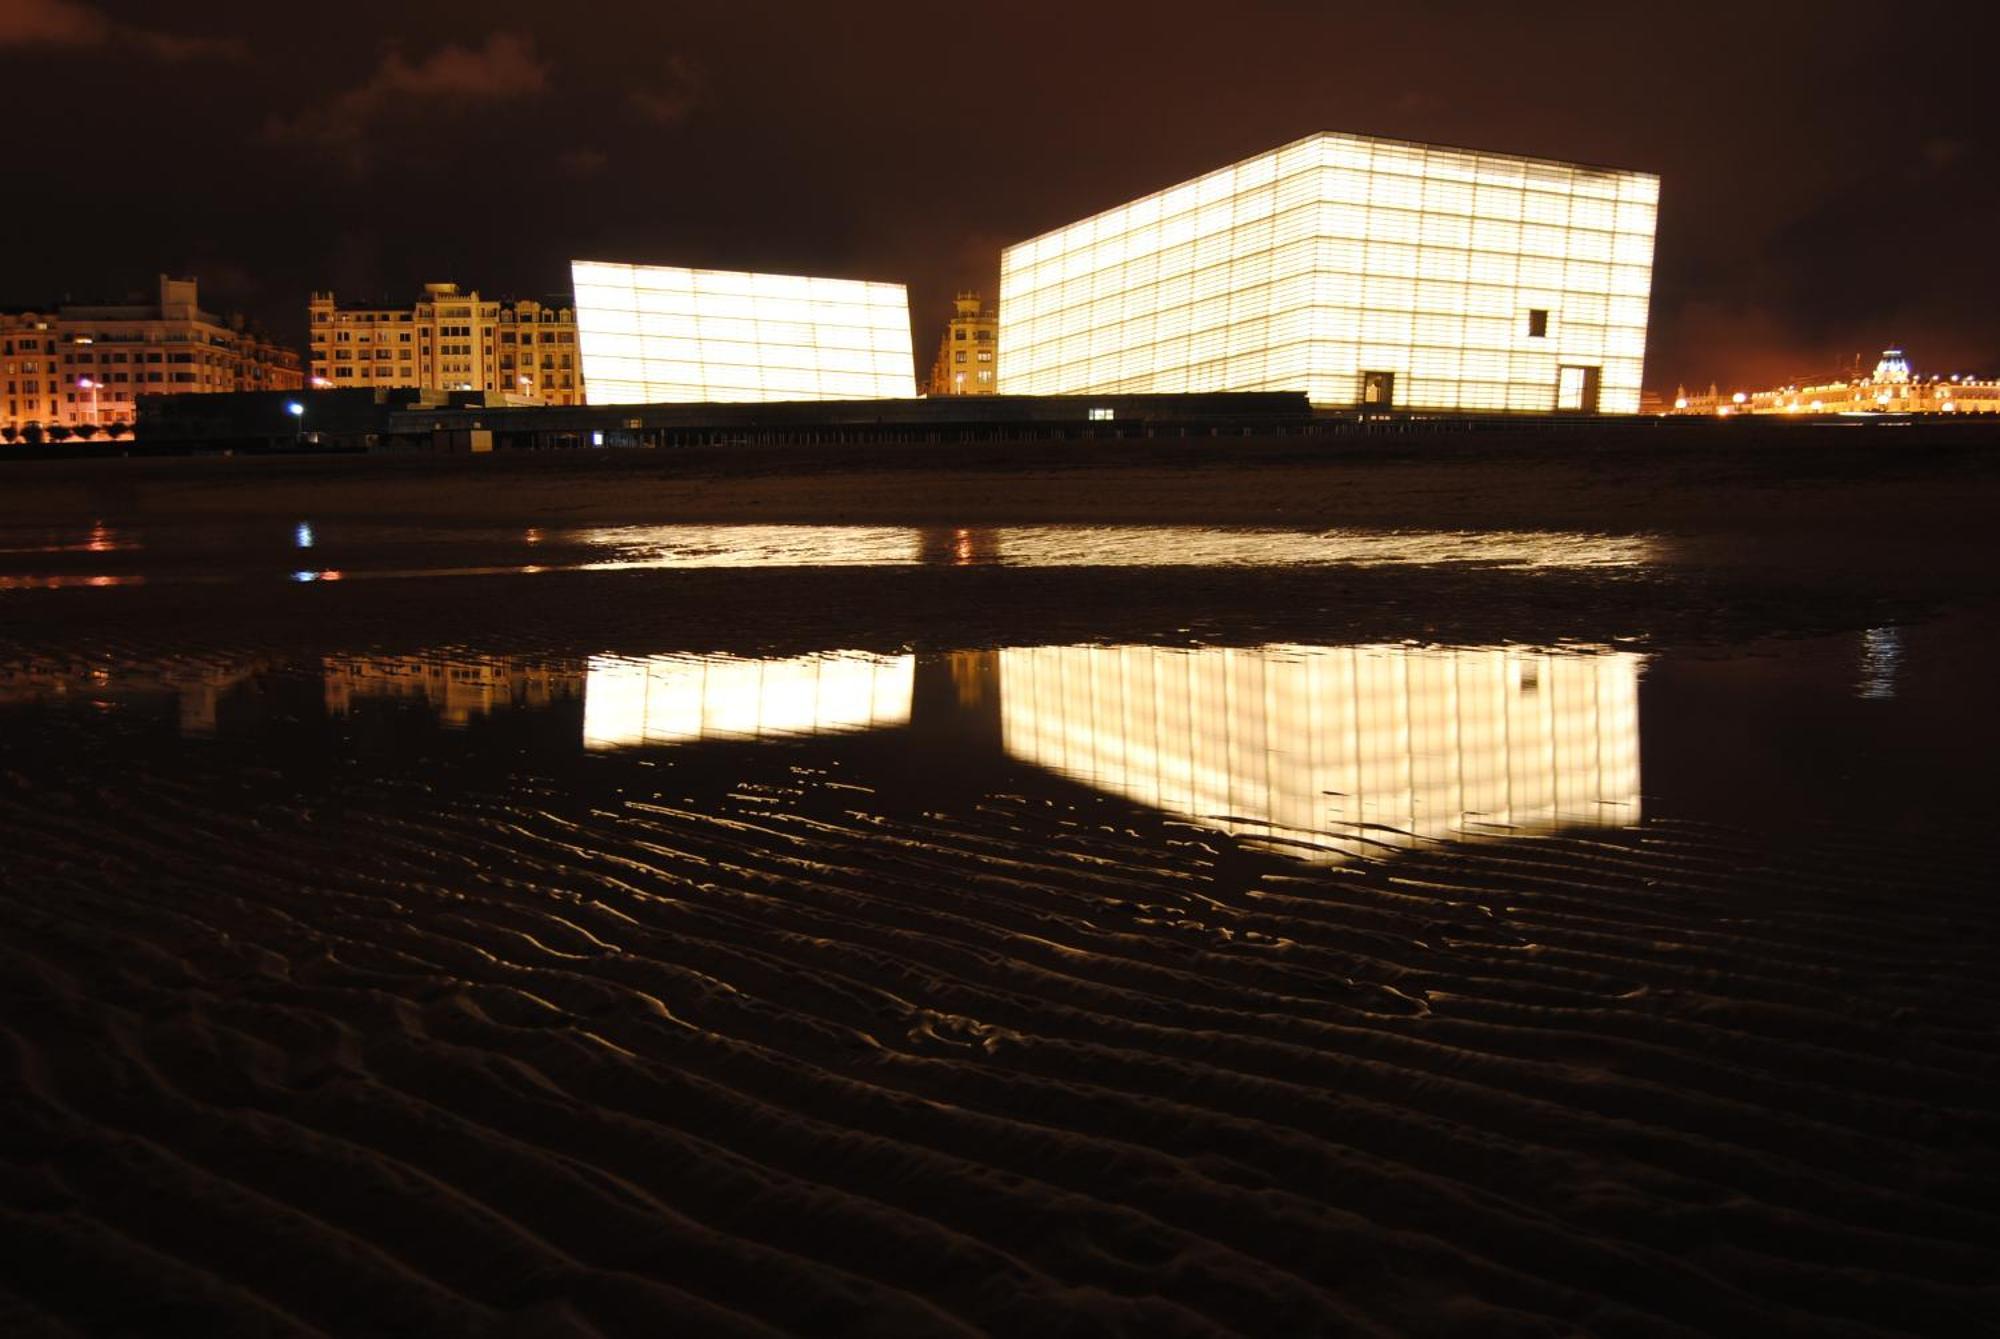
<point>303,536</point>
<point>295,409</point>
<point>664,335</point>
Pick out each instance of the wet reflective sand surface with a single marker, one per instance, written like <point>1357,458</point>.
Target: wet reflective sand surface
<point>882,930</point>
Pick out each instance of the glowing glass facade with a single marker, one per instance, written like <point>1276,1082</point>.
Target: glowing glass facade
<point>1330,751</point>
<point>659,335</point>
<point>1361,271</point>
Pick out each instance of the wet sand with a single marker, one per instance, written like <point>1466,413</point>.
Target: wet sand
<point>1938,482</point>
<point>766,1047</point>
<point>357,1025</point>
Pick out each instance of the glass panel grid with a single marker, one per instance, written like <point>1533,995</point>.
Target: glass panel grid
<point>1303,267</point>
<point>1339,748</point>
<point>664,335</point>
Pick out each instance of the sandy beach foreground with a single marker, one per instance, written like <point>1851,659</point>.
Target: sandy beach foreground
<point>398,957</point>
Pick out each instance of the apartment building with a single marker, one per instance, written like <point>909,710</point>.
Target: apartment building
<point>80,368</point>
<point>966,360</point>
<point>448,340</point>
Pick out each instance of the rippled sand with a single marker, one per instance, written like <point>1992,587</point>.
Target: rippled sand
<point>627,1051</point>
<point>728,948</point>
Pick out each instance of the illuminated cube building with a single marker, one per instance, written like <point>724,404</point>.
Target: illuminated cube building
<point>1365,272</point>
<point>663,335</point>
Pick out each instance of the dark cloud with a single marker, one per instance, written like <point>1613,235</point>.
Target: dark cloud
<point>453,79</point>
<point>76,25</point>
<point>670,98</point>
<point>583,162</point>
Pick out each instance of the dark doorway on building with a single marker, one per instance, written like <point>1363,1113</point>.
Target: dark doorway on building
<point>1576,389</point>
<point>1378,390</point>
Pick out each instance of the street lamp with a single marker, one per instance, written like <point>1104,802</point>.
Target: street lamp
<point>90,384</point>
<point>298,412</point>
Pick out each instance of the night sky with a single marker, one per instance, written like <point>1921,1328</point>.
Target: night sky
<point>1831,170</point>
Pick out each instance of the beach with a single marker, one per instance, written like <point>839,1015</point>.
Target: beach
<point>1406,886</point>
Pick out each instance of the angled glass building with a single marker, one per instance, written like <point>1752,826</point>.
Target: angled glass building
<point>652,334</point>
<point>1364,272</point>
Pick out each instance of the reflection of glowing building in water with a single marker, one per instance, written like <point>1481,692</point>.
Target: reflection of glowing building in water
<point>681,699</point>
<point>1365,272</point>
<point>1336,748</point>
<point>661,335</point>
<point>458,689</point>
<point>198,686</point>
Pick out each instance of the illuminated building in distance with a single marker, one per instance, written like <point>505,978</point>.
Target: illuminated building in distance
<point>448,340</point>
<point>1365,272</point>
<point>966,363</point>
<point>664,335</point>
<point>81,367</point>
<point>1891,388</point>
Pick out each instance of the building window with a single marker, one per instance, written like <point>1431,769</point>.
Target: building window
<point>1538,323</point>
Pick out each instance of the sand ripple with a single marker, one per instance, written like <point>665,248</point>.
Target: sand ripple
<point>464,1052</point>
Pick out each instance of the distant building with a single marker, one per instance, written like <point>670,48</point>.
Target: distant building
<point>965,363</point>
<point>1369,273</point>
<point>82,367</point>
<point>659,334</point>
<point>1891,388</point>
<point>448,341</point>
